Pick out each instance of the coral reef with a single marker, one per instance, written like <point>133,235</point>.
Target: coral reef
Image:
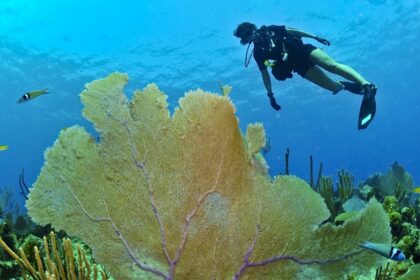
<point>179,197</point>
<point>406,235</point>
<point>394,191</point>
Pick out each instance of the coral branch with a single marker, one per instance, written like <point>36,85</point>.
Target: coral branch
<point>286,156</point>
<point>248,254</point>
<point>304,262</point>
<point>246,264</point>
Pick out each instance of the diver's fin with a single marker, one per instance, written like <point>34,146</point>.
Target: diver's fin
<point>368,107</point>
<point>352,87</point>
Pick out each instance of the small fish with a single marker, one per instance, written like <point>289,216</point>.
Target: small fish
<point>31,95</point>
<point>384,250</point>
<point>416,190</point>
<point>3,147</point>
<point>225,90</point>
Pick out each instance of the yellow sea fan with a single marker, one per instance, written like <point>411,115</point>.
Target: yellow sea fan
<point>178,197</point>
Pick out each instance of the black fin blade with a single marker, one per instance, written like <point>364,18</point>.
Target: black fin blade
<point>367,112</point>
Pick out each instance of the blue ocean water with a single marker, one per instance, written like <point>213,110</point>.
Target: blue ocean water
<point>183,45</point>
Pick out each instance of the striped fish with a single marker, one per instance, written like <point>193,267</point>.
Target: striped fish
<point>384,250</point>
<point>31,95</point>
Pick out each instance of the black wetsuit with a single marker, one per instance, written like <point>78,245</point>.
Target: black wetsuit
<point>271,48</point>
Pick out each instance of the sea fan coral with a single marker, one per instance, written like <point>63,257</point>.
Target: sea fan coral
<point>179,197</point>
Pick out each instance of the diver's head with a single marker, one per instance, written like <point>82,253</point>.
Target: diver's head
<point>246,32</point>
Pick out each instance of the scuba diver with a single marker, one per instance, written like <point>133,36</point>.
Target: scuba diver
<point>282,49</point>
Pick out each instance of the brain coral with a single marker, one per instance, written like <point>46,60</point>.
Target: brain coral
<point>180,197</point>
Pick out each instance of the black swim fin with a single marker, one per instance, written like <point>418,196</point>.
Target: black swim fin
<point>368,107</point>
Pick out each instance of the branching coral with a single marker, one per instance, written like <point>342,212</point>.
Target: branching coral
<point>179,197</point>
<point>54,267</point>
<point>336,198</point>
<point>384,274</point>
<point>345,185</point>
<point>327,192</point>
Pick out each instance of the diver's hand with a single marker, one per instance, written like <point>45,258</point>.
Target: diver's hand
<point>323,41</point>
<point>273,102</point>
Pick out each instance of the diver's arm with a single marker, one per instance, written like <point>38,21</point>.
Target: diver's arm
<point>270,94</point>
<point>266,79</point>
<point>300,33</point>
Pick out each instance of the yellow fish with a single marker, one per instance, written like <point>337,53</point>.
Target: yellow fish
<point>226,89</point>
<point>3,147</point>
<point>416,190</point>
<point>31,95</point>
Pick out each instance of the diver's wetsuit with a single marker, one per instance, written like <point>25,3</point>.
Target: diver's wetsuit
<point>297,53</point>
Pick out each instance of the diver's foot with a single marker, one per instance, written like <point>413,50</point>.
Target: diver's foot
<point>352,87</point>
<point>369,91</point>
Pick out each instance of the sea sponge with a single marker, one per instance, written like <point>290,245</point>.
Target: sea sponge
<point>179,197</point>
<point>391,204</point>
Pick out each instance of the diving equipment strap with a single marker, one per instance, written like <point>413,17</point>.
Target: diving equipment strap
<point>248,59</point>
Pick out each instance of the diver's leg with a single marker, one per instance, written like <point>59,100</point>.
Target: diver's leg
<point>317,76</point>
<point>320,58</point>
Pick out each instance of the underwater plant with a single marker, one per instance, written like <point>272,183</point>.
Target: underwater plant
<point>181,197</point>
<point>53,266</point>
